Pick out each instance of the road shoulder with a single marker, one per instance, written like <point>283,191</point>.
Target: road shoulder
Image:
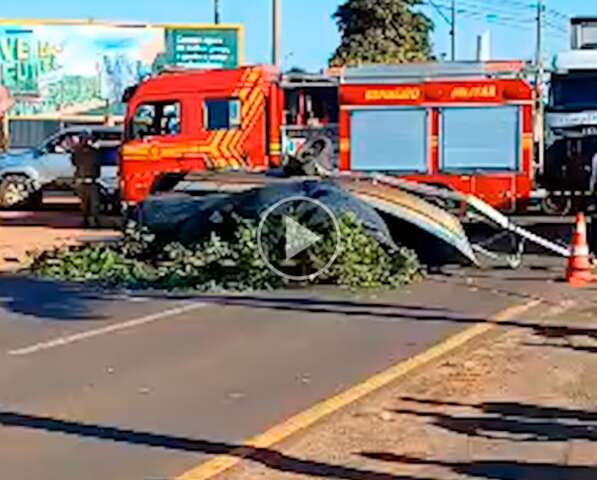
<point>516,403</point>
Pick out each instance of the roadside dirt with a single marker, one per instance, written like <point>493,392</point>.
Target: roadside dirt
<point>521,403</point>
<point>24,232</point>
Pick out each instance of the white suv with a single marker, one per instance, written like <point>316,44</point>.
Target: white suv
<point>24,174</point>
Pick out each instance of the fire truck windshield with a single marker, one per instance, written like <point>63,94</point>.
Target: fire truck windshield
<point>161,118</point>
<point>573,93</point>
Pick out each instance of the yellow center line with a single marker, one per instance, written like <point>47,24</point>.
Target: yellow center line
<point>307,418</point>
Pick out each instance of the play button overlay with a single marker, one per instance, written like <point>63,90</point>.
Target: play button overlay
<point>298,238</point>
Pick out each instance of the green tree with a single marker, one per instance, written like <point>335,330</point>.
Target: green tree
<point>381,31</point>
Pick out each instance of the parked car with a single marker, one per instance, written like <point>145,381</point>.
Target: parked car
<point>25,174</point>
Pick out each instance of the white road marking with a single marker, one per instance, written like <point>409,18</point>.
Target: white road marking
<point>78,337</point>
<point>138,299</point>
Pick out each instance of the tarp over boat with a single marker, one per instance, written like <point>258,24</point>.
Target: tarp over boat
<point>186,219</point>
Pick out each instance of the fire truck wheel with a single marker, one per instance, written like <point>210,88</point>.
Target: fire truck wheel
<point>556,205</point>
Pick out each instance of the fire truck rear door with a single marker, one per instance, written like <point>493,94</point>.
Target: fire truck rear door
<point>389,139</point>
<point>483,142</point>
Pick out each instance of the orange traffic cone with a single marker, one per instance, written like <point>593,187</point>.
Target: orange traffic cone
<point>579,269</point>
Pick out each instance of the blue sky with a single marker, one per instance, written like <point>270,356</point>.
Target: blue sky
<point>309,34</point>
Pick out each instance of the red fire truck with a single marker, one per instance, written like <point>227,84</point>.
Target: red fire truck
<point>463,126</point>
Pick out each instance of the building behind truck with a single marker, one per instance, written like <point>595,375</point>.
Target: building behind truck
<point>571,118</point>
<point>462,126</point>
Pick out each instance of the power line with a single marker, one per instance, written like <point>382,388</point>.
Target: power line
<point>557,28</point>
<point>523,6</point>
<point>438,9</point>
<point>557,13</point>
<point>493,8</point>
<point>451,21</point>
<point>491,15</point>
<point>510,14</point>
<point>517,3</point>
<point>482,14</point>
<point>504,9</point>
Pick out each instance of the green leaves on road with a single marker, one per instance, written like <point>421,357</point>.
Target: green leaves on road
<point>219,263</point>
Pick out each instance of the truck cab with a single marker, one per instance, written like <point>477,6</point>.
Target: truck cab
<point>184,121</point>
<point>571,115</point>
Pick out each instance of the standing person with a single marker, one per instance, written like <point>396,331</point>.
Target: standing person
<point>592,207</point>
<point>6,103</point>
<point>593,181</point>
<point>3,134</point>
<point>85,158</point>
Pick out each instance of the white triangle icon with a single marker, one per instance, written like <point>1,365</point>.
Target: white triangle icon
<point>298,238</point>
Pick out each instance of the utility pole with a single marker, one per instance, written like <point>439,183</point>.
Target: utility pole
<point>453,30</point>
<point>216,12</point>
<point>275,32</point>
<point>540,107</point>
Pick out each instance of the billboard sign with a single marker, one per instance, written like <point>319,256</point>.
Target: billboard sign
<point>195,48</point>
<point>83,68</point>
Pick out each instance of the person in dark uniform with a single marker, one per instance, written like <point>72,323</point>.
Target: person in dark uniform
<point>3,134</point>
<point>6,103</point>
<point>86,160</point>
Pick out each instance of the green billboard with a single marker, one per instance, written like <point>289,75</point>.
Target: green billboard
<point>202,48</point>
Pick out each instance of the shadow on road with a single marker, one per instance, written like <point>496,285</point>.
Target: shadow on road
<point>511,421</point>
<point>389,312</point>
<point>515,292</point>
<point>503,421</point>
<point>497,469</point>
<point>347,308</point>
<point>265,456</point>
<point>49,300</point>
<point>317,302</point>
<point>565,346</point>
<point>512,409</point>
<point>275,460</point>
<point>55,300</point>
<point>560,336</point>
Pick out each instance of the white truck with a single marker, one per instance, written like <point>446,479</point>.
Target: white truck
<point>571,116</point>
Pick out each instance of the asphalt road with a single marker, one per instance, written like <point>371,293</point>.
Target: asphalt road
<point>111,386</point>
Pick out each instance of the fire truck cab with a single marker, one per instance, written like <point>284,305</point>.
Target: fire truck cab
<point>179,122</point>
<point>463,126</point>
